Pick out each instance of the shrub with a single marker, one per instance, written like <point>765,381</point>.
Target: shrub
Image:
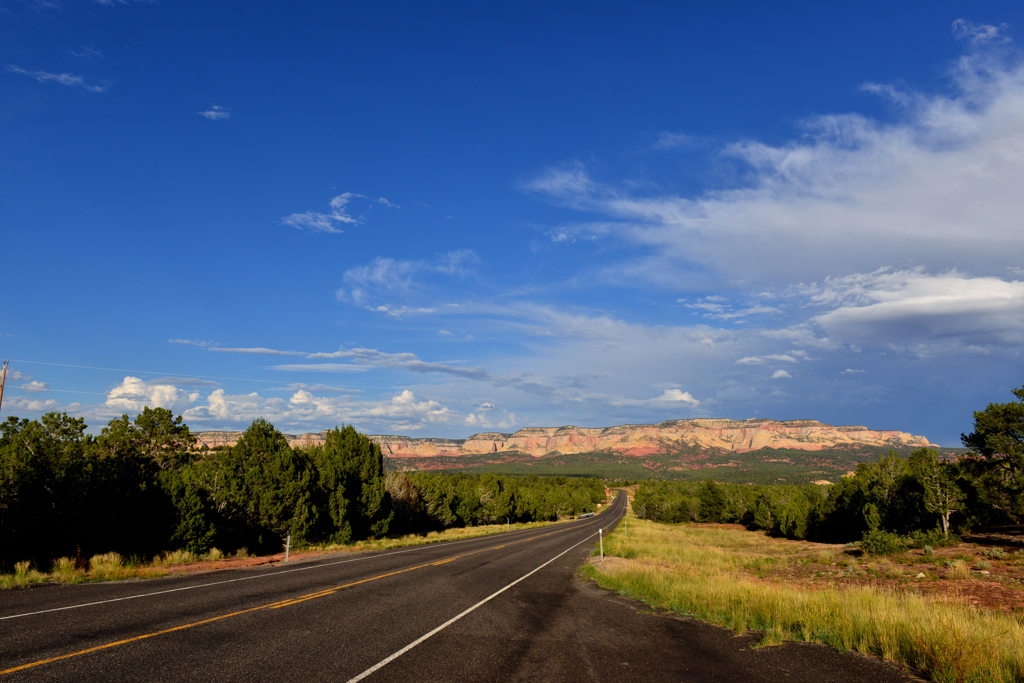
<point>878,542</point>
<point>958,569</point>
<point>177,557</point>
<point>66,569</point>
<point>107,566</point>
<point>995,553</point>
<point>929,551</point>
<point>934,537</point>
<point>982,564</point>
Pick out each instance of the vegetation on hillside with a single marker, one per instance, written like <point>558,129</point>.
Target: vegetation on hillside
<point>887,503</point>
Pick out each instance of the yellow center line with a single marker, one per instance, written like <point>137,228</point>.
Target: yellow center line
<point>273,605</point>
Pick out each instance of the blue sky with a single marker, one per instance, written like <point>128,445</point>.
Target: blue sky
<point>448,218</point>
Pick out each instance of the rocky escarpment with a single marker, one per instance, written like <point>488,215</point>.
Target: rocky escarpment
<point>738,436</point>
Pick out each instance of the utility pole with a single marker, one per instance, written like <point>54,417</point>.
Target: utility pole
<point>3,378</point>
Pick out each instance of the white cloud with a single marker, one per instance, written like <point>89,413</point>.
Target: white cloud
<point>850,194</point>
<point>229,410</point>
<point>716,308</point>
<point>31,405</point>
<point>851,371</point>
<point>134,394</point>
<point>911,309</point>
<point>16,376</point>
<point>385,278</point>
<point>305,410</point>
<point>313,221</point>
<point>403,361</point>
<point>677,395</point>
<point>483,417</point>
<point>190,342</point>
<point>319,367</point>
<point>979,34</point>
<point>792,357</point>
<point>675,141</point>
<point>259,350</point>
<point>87,51</point>
<point>35,387</point>
<point>215,113</point>
<point>781,374</point>
<point>74,80</point>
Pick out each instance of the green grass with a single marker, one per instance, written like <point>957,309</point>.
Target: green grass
<point>706,572</point>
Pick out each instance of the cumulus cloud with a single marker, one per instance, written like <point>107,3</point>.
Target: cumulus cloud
<point>16,376</point>
<point>781,374</point>
<point>486,416</point>
<point>677,395</point>
<point>35,387</point>
<point>215,113</point>
<point>228,409</point>
<point>305,410</point>
<point>134,394</point>
<point>74,80</point>
<point>31,405</point>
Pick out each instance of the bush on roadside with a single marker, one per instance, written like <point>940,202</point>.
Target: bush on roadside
<point>878,542</point>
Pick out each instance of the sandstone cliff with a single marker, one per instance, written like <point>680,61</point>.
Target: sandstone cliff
<point>738,436</point>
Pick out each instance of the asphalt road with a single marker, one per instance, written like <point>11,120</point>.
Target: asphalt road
<point>502,607</point>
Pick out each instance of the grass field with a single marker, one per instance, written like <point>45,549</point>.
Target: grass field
<point>716,574</point>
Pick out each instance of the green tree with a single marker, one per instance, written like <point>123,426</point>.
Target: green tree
<point>997,446</point>
<point>942,494</point>
<point>351,473</point>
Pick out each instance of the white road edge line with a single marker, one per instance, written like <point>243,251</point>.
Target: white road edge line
<point>451,621</point>
<point>260,576</point>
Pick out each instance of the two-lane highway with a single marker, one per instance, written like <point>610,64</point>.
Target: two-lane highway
<point>343,617</point>
<point>505,607</point>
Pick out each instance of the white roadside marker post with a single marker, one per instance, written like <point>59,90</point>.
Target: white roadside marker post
<point>600,535</point>
<point>287,546</point>
<point>508,525</point>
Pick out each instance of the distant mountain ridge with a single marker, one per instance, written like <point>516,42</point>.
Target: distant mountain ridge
<point>737,436</point>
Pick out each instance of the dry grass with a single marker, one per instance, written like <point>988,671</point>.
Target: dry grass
<point>454,534</point>
<point>958,569</point>
<point>706,572</point>
<point>113,567</point>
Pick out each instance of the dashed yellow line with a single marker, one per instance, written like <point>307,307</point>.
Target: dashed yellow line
<point>273,605</point>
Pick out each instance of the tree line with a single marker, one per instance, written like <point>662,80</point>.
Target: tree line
<point>141,487</point>
<point>894,501</point>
